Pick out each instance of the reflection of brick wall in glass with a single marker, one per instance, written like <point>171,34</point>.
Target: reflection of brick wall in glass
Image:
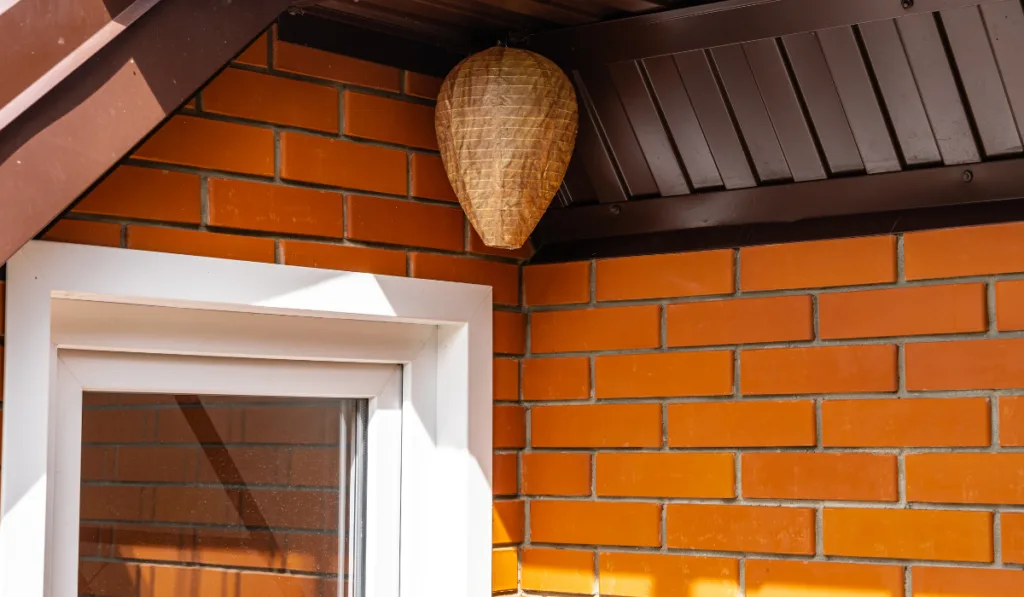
<point>185,496</point>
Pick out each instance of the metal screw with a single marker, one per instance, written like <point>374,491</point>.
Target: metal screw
<point>907,3</point>
<point>615,209</point>
<point>967,176</point>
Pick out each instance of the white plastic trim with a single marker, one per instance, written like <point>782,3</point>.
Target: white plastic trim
<point>68,297</point>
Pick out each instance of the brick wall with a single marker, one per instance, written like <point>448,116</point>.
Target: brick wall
<point>301,157</point>
<point>218,497</point>
<point>831,418</point>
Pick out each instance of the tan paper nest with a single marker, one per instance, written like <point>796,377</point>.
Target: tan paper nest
<point>506,124</point>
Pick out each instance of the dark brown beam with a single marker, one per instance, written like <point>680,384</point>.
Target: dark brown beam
<point>44,42</point>
<point>907,190</point>
<point>69,138</point>
<point>702,239</point>
<point>717,24</point>
<point>367,41</point>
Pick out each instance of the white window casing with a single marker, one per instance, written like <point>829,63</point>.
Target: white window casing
<point>96,318</point>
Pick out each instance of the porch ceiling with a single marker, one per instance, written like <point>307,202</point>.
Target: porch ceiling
<point>702,123</point>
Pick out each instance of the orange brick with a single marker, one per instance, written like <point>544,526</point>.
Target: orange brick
<point>275,208</point>
<point>346,258</point>
<point>965,478</point>
<point>222,547</point>
<point>504,570</point>
<point>389,120</point>
<point>429,179</point>
<point>595,523</point>
<point>908,534</point>
<point>741,424</point>
<point>557,283</point>
<point>211,144</point>
<point>1010,305</point>
<point>119,502</point>
<point>906,422</point>
<point>819,369</point>
<point>1012,524</point>
<point>662,276</point>
<point>334,67</point>
<point>311,553</point>
<point>284,508</point>
<point>507,522</point>
<point>505,475</point>
<point>167,544</point>
<point>596,426</point>
<point>255,54</point>
<point>423,86</point>
<point>339,163</point>
<point>1011,421</point>
<point>580,330</point>
<point>740,321</point>
<point>658,375</point>
<point>81,232</point>
<point>291,425</point>
<point>204,244</point>
<point>163,464</point>
<point>952,309</point>
<point>476,245</point>
<point>108,579</point>
<point>966,582</point>
<point>315,467</point>
<point>666,475</point>
<point>778,578</point>
<point>144,194</point>
<point>558,570</point>
<point>818,264</point>
<point>663,575</point>
<point>509,332</point>
<point>761,529</point>
<point>110,426</point>
<point>506,379</point>
<point>509,427</point>
<point>854,477</point>
<point>407,223</point>
<point>556,473</point>
<point>210,505</point>
<point>285,585</point>
<point>966,365</point>
<point>556,379</point>
<point>972,251</point>
<point>267,98</point>
<point>502,277</point>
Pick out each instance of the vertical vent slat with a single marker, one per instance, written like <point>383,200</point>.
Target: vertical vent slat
<point>591,148</point>
<point>784,109</point>
<point>1004,22</point>
<point>899,92</point>
<point>649,129</point>
<point>717,124</point>
<point>934,76</point>
<point>682,122</point>
<point>982,82</point>
<point>751,113</point>
<point>610,116</point>
<point>823,104</point>
<point>846,63</point>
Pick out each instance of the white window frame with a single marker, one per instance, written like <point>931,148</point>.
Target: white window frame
<point>79,371</point>
<point>64,299</point>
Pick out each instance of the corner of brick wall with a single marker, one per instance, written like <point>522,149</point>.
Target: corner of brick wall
<point>838,417</point>
<point>296,156</point>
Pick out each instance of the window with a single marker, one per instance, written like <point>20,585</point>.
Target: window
<point>261,429</point>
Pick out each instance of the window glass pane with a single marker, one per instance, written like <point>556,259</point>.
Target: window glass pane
<point>212,496</point>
